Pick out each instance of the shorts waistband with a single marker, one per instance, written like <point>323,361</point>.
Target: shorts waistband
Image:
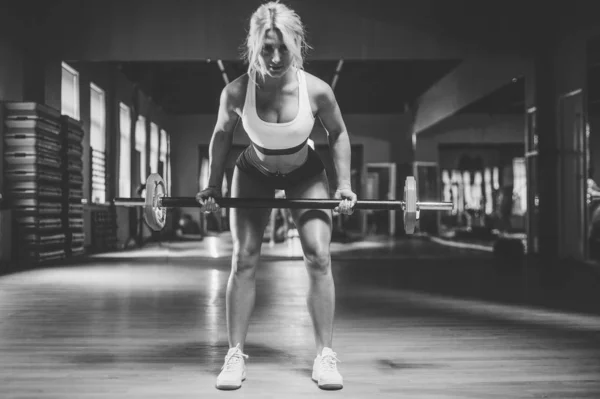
<point>282,151</point>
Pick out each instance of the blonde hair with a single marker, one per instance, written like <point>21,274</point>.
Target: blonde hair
<point>274,15</point>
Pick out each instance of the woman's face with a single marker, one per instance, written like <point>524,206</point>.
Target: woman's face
<point>274,54</point>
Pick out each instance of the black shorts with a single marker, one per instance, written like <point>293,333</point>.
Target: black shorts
<point>247,162</point>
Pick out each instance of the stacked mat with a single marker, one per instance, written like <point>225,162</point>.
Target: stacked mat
<point>104,229</point>
<point>103,218</point>
<point>71,136</point>
<point>33,177</point>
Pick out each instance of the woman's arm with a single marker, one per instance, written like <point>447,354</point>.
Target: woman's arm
<point>339,141</point>
<point>222,137</point>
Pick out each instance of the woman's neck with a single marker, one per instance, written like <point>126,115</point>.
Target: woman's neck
<point>271,83</point>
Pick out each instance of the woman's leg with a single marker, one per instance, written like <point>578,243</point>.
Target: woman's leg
<point>273,226</point>
<point>286,225</point>
<point>247,230</point>
<point>314,229</point>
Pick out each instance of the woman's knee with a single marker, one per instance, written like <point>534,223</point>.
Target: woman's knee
<point>245,258</point>
<point>318,258</point>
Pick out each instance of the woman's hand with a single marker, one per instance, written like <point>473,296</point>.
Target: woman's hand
<point>206,198</point>
<point>348,198</point>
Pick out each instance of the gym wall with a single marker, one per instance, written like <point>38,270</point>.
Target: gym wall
<point>594,146</point>
<point>117,89</point>
<point>470,128</point>
<point>10,70</point>
<point>11,87</point>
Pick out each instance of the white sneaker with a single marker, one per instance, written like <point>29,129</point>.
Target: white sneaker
<point>233,370</point>
<point>325,372</point>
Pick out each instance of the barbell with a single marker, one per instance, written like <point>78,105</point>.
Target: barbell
<point>156,203</point>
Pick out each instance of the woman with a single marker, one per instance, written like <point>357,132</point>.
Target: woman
<point>277,103</point>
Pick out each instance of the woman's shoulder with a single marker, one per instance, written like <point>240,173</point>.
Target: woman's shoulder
<point>236,90</point>
<point>318,89</point>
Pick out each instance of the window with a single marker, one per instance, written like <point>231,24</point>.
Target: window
<point>477,191</point>
<point>98,119</point>
<point>165,159</point>
<point>457,192</point>
<point>98,143</point>
<point>124,151</point>
<point>489,199</point>
<point>69,92</point>
<point>467,193</point>
<point>169,164</point>
<point>153,148</point>
<point>519,186</point>
<point>163,154</point>
<point>447,186</point>
<point>495,177</point>
<point>140,146</point>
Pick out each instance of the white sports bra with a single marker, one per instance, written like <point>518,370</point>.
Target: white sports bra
<point>278,138</point>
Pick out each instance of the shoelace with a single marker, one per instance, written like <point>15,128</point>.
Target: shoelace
<point>328,361</point>
<point>233,359</point>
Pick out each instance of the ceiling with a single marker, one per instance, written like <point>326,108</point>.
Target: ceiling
<point>386,86</point>
<point>375,86</point>
<point>363,87</point>
<point>508,99</point>
<point>383,86</point>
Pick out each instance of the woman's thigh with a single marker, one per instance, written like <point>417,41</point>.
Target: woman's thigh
<point>314,225</point>
<point>248,225</point>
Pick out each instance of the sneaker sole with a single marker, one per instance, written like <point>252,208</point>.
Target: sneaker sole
<point>328,387</point>
<point>226,387</point>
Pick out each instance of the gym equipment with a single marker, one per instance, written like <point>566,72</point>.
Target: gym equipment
<point>156,202</point>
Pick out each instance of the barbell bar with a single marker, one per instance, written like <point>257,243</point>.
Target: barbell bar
<point>156,202</point>
<point>226,202</point>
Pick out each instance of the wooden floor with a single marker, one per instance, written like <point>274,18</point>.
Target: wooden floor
<point>153,326</point>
